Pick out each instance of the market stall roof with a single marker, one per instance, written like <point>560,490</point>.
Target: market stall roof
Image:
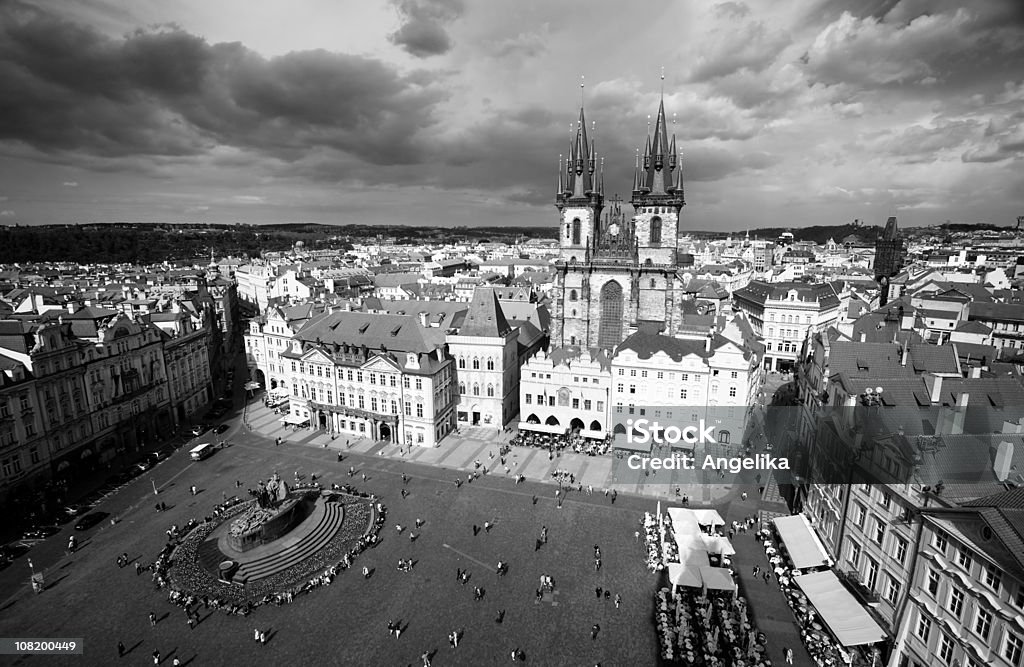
<point>716,544</point>
<point>543,428</point>
<point>838,609</point>
<point>623,443</point>
<point>294,419</point>
<point>595,435</point>
<point>805,549</point>
<point>682,575</point>
<point>708,517</point>
<point>717,578</point>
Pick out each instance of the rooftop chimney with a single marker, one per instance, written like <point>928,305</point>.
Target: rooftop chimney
<point>1004,460</point>
<point>905,354</point>
<point>423,320</point>
<point>863,336</point>
<point>934,383</point>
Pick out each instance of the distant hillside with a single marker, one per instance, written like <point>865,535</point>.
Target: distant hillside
<point>820,234</point>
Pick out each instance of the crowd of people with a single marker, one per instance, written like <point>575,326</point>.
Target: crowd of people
<point>824,650</point>
<point>710,629</point>
<point>555,444</point>
<point>178,568</point>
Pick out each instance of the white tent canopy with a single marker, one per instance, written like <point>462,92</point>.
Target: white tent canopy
<point>717,578</point>
<point>838,609</point>
<point>543,428</point>
<point>805,549</point>
<point>708,517</point>
<point>294,419</point>
<point>681,575</point>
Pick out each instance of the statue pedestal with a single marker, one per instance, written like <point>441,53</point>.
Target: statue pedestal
<point>291,513</point>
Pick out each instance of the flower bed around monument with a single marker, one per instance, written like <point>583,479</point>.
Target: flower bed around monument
<point>178,566</point>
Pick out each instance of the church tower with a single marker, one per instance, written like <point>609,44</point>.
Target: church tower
<point>616,274</point>
<point>658,196</point>
<point>580,196</point>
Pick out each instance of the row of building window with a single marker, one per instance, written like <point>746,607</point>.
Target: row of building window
<point>550,401</point>
<point>383,379</point>
<point>476,364</point>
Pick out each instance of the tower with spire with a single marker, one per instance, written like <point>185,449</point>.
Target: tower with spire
<point>617,273</point>
<point>658,194</point>
<point>580,194</point>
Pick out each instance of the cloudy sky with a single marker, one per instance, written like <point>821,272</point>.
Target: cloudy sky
<point>452,112</point>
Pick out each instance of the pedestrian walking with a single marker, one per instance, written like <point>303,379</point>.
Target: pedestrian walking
<point>256,635</point>
<point>152,619</point>
<point>263,638</point>
<point>476,529</point>
<point>743,495</point>
<point>618,600</point>
<point>756,570</point>
<point>767,576</point>
<point>156,657</point>
<point>426,658</point>
<point>598,590</point>
<point>597,564</point>
<point>789,656</point>
<point>594,630</point>
<point>636,536</point>
<point>120,649</point>
<point>191,622</point>
<point>487,526</point>
<point>500,617</point>
<point>176,662</point>
<point>535,500</point>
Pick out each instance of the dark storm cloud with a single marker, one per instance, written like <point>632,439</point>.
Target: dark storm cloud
<point>165,92</point>
<point>423,31</point>
<point>929,47</point>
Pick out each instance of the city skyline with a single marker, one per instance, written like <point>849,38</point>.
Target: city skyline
<point>444,113</point>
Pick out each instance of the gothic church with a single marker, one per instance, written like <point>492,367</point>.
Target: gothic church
<point>617,274</point>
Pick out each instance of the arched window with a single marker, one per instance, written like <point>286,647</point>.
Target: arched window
<point>723,437</point>
<point>490,364</point>
<point>490,390</point>
<point>462,362</point>
<point>462,388</point>
<point>476,390</point>
<point>609,333</point>
<point>655,231</point>
<point>572,295</point>
<point>573,312</point>
<point>476,364</point>
<point>575,231</point>
<point>654,283</point>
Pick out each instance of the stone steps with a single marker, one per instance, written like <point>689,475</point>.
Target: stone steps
<point>321,530</point>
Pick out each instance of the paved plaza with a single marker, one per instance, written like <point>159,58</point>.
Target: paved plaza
<point>89,597</point>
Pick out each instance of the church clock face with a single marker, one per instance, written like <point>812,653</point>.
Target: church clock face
<point>613,229</point>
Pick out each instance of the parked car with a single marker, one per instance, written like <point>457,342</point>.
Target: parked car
<point>90,520</point>
<point>76,509</point>
<point>142,466</point>
<point>220,429</point>
<point>40,532</point>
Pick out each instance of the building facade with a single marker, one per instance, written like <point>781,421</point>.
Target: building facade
<point>370,375</point>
